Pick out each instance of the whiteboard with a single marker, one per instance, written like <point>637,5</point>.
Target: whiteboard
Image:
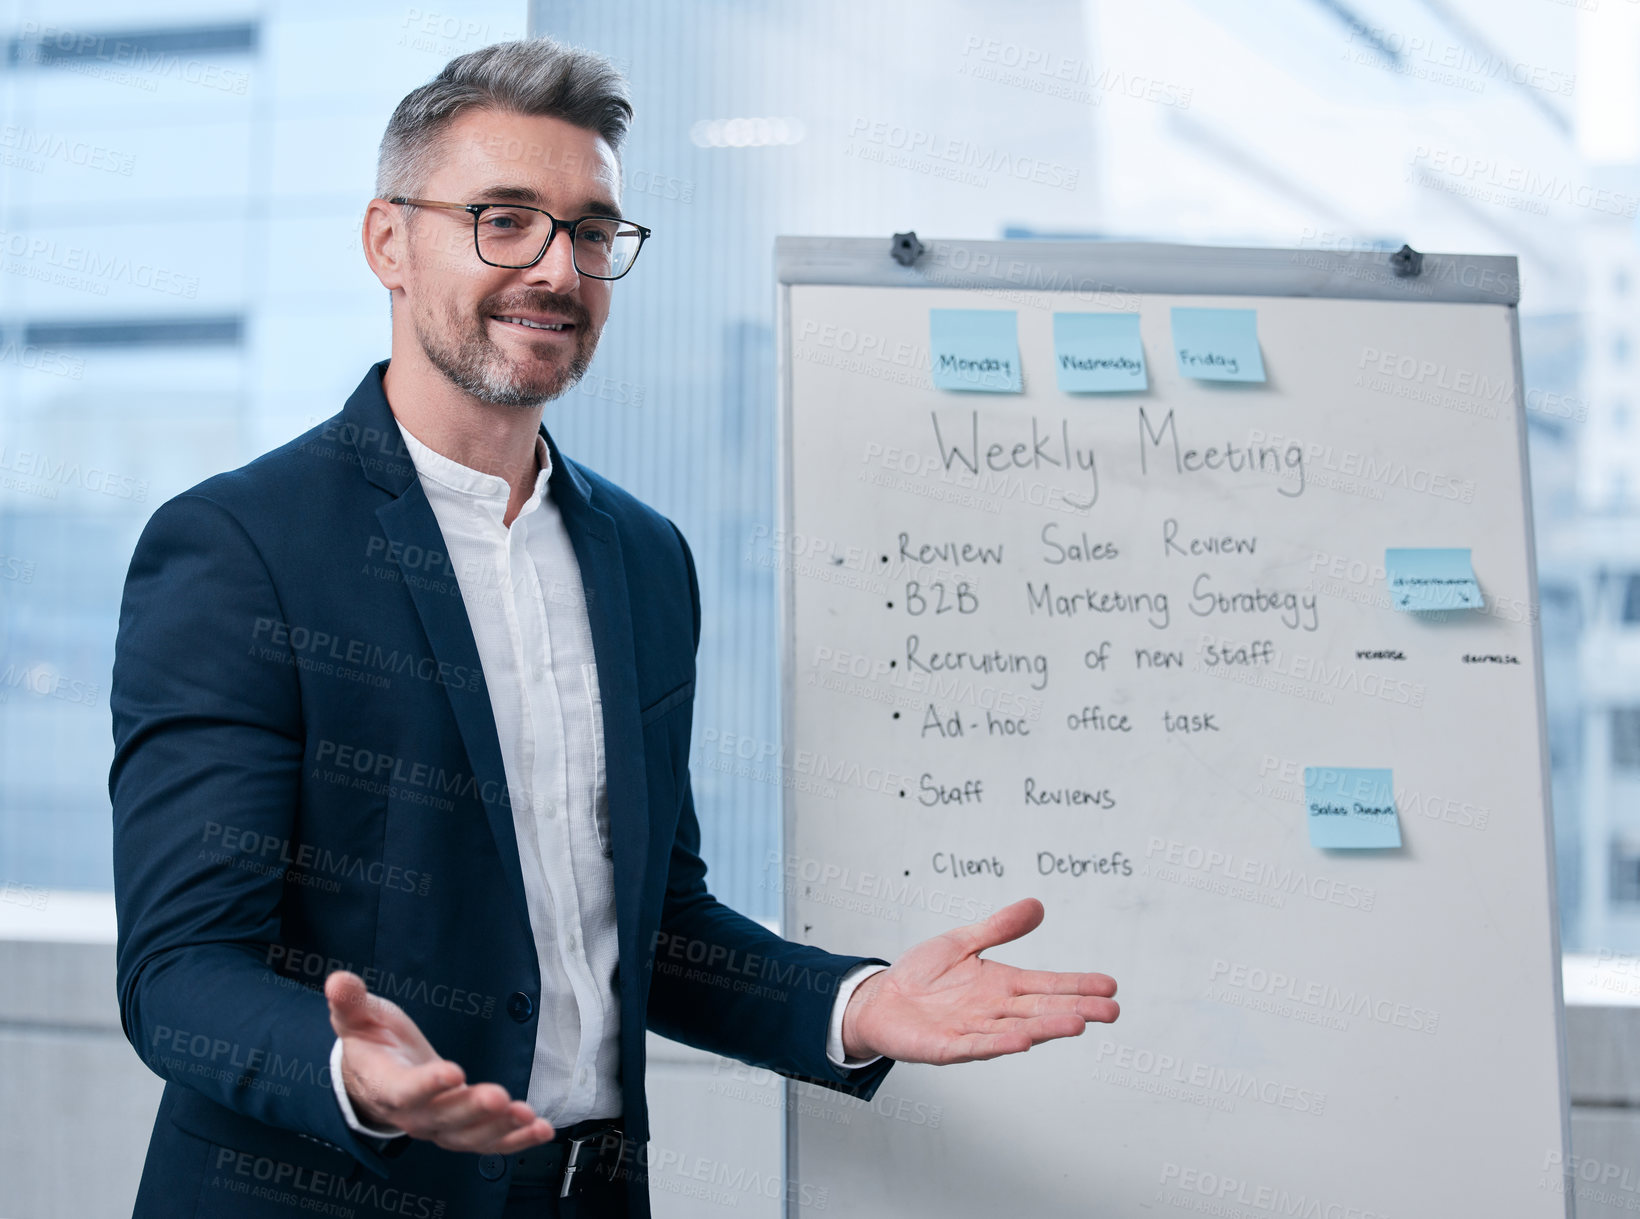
<point>1360,1033</point>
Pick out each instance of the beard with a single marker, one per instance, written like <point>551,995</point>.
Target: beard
<point>462,349</point>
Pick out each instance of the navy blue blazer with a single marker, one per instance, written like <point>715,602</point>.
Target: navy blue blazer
<point>307,777</point>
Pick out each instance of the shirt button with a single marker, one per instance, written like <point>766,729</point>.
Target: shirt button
<point>571,941</point>
<point>549,809</point>
<point>520,1007</point>
<point>491,1167</point>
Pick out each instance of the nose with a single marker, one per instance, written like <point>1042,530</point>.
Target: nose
<point>555,270</point>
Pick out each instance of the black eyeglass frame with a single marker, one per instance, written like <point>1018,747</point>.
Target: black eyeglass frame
<point>569,226</point>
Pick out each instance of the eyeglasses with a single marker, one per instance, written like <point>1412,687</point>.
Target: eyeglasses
<point>514,236</point>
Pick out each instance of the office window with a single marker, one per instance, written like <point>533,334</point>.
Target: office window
<point>181,289</point>
<point>146,343</point>
<point>1625,871</point>
<point>1625,726</point>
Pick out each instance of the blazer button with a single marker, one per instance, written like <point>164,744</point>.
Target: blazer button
<point>520,1007</point>
<point>491,1167</point>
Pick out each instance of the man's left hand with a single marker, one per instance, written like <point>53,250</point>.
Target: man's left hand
<point>940,1003</point>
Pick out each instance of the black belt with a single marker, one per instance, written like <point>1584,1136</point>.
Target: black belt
<point>576,1155</point>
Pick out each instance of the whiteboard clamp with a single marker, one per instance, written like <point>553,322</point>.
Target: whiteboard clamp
<point>1406,262</point>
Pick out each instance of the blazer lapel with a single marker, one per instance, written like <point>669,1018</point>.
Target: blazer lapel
<point>410,523</point>
<point>369,426</point>
<point>609,609</point>
<point>408,520</point>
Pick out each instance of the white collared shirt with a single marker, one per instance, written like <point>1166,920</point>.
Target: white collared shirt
<point>521,585</point>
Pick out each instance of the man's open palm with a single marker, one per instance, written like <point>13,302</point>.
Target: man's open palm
<point>394,1078</point>
<point>941,1003</point>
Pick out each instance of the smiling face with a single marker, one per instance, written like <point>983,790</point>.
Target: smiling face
<point>504,336</point>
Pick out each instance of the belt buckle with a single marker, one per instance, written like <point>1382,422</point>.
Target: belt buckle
<point>573,1164</point>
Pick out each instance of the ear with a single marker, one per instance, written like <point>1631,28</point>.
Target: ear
<point>385,235</point>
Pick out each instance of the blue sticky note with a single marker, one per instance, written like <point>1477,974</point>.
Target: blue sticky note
<point>975,349</point>
<point>1217,344</point>
<point>1431,579</point>
<point>1098,353</point>
<point>1349,806</point>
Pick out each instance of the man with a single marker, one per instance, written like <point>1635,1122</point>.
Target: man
<point>404,706</point>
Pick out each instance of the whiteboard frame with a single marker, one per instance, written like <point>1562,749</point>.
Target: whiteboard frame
<point>1089,270</point>
<point>1144,267</point>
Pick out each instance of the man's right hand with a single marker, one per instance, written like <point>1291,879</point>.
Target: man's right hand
<point>395,1078</point>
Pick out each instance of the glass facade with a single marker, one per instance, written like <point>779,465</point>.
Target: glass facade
<point>181,288</point>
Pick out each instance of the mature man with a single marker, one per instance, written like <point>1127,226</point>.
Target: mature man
<point>404,707</point>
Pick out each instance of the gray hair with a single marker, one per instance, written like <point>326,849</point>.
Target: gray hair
<point>532,76</point>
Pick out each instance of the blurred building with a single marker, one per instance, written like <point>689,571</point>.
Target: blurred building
<point>181,288</point>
